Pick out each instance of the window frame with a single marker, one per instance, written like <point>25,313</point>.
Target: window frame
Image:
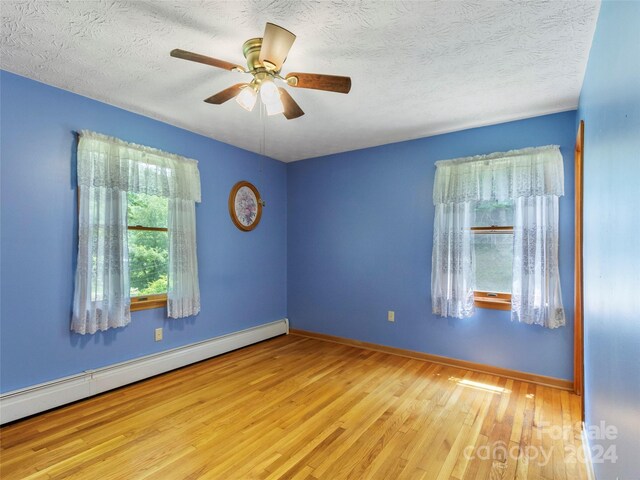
<point>492,300</point>
<point>146,302</point>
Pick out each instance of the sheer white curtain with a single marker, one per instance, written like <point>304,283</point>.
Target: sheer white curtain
<point>183,294</point>
<point>536,297</point>
<point>101,297</point>
<point>533,178</point>
<point>109,168</point>
<point>451,272</point>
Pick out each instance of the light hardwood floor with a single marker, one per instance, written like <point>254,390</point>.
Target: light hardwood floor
<point>294,407</point>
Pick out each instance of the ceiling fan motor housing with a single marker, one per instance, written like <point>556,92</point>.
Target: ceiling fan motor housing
<point>251,50</point>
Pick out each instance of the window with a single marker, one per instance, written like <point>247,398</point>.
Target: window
<point>148,250</point>
<point>495,235</point>
<point>136,233</point>
<point>492,250</point>
<point>148,242</point>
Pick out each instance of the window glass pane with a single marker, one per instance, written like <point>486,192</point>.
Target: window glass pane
<point>148,261</point>
<point>147,210</point>
<point>491,213</point>
<point>493,257</point>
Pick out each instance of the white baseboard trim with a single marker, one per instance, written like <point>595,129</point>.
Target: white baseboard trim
<point>588,461</point>
<point>38,398</point>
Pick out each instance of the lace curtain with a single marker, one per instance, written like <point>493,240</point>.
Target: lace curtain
<point>101,297</point>
<point>108,169</point>
<point>500,176</point>
<point>533,178</point>
<point>183,292</point>
<point>451,271</point>
<point>536,296</point>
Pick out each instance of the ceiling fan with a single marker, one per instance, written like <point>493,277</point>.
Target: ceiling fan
<point>265,57</point>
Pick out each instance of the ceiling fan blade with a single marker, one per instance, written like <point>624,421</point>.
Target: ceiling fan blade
<point>291,108</point>
<point>317,81</point>
<point>276,43</point>
<point>226,94</point>
<point>196,57</point>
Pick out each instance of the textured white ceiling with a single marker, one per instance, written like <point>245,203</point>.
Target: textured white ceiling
<point>418,67</point>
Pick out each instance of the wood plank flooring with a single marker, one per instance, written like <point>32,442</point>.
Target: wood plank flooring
<point>300,408</point>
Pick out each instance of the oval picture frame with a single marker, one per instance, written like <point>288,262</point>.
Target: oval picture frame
<point>245,211</point>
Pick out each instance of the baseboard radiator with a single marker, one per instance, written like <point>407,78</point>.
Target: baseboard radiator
<point>38,398</point>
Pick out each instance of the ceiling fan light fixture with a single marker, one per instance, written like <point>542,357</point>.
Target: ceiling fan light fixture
<point>274,108</point>
<point>247,98</point>
<point>270,96</point>
<point>269,92</point>
<point>276,43</point>
<point>268,65</point>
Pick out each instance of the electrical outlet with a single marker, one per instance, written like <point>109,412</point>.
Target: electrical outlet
<point>391,316</point>
<point>158,334</point>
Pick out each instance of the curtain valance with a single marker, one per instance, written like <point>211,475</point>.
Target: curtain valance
<point>112,163</point>
<point>529,172</point>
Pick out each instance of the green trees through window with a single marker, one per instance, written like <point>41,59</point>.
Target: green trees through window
<point>493,247</point>
<point>493,256</point>
<point>148,244</point>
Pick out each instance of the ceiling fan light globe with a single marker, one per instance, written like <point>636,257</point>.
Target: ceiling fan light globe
<point>274,108</point>
<point>247,98</point>
<point>269,92</point>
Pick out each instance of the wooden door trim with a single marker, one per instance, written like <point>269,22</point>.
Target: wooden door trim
<point>578,327</point>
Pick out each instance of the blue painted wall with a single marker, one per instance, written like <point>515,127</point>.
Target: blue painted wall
<point>360,239</point>
<point>610,107</point>
<point>242,275</point>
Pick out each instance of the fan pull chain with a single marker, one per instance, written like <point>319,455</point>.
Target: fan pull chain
<point>263,120</point>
